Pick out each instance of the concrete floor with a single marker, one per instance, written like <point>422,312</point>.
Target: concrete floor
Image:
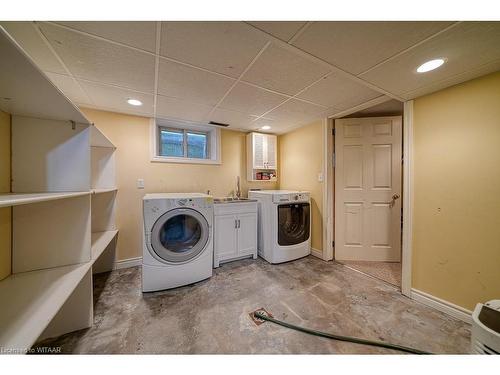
<point>212,316</point>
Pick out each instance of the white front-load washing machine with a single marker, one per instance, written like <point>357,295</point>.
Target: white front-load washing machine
<point>284,224</point>
<point>178,240</point>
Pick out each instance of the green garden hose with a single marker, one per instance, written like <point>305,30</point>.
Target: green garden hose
<point>354,340</point>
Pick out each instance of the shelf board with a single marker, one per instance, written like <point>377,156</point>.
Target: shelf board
<point>97,139</point>
<point>32,299</point>
<point>100,240</point>
<point>15,199</point>
<point>275,180</point>
<point>104,190</point>
<point>30,93</point>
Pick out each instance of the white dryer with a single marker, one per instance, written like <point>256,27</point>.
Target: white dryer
<point>284,224</point>
<point>178,240</point>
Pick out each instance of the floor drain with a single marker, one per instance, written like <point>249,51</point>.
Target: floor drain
<point>262,311</point>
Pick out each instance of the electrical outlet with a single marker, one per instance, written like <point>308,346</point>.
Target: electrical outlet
<point>140,183</point>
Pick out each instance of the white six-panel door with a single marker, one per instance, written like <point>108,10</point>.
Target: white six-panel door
<point>368,189</point>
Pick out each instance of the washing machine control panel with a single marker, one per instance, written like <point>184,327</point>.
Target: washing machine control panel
<point>195,203</point>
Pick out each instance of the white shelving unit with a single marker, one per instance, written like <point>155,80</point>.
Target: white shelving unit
<point>63,206</point>
<point>13,199</point>
<point>100,191</point>
<point>103,184</point>
<point>100,241</point>
<point>34,298</point>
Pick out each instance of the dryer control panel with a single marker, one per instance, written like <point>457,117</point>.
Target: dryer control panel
<point>291,197</point>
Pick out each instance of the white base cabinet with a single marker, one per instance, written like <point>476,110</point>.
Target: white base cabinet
<point>235,228</point>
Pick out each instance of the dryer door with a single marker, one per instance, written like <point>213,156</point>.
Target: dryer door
<point>293,223</point>
<point>179,235</point>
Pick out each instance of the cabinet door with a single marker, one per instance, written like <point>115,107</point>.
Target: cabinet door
<point>226,245</point>
<point>271,152</point>
<point>247,233</point>
<point>258,151</point>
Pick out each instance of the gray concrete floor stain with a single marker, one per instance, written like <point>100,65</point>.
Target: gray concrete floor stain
<point>211,317</point>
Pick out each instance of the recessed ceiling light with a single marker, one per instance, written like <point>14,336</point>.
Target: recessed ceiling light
<point>134,102</point>
<point>430,65</point>
<point>266,127</point>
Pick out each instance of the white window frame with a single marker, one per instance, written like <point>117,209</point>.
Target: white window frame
<point>213,139</point>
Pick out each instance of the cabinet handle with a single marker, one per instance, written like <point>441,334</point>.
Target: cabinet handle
<point>236,224</point>
<point>239,223</point>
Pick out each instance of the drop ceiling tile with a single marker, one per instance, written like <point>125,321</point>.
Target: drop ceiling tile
<point>339,92</point>
<point>277,126</point>
<point>97,60</point>
<point>357,46</point>
<point>25,33</point>
<point>137,34</point>
<point>283,70</point>
<point>453,80</point>
<point>223,47</point>
<point>115,98</point>
<point>191,84</point>
<point>252,100</point>
<point>296,112</point>
<point>69,87</point>
<point>283,30</point>
<point>235,119</point>
<point>180,109</point>
<point>467,47</point>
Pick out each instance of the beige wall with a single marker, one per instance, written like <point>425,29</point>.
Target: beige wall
<point>456,248</point>
<point>301,155</point>
<point>5,213</point>
<point>130,134</point>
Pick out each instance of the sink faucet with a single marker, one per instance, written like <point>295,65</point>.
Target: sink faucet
<point>238,190</point>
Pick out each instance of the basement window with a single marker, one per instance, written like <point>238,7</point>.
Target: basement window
<point>176,142</point>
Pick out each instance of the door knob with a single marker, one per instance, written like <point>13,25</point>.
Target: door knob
<point>395,196</point>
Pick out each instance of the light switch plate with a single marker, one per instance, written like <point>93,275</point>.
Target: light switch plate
<point>320,177</point>
<point>140,183</point>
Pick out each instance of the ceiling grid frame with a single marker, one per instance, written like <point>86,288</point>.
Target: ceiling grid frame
<point>157,56</point>
<point>271,40</point>
<point>334,68</point>
<point>239,78</point>
<point>299,32</point>
<point>296,98</point>
<point>56,55</point>
<point>157,65</point>
<point>409,48</point>
<point>274,40</point>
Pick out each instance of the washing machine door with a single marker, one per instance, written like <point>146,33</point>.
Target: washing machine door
<point>179,235</point>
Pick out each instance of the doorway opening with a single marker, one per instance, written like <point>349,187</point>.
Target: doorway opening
<point>367,191</point>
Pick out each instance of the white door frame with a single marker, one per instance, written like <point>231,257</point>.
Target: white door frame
<point>328,213</point>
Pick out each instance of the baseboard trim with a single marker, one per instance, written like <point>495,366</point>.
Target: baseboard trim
<point>317,253</point>
<point>442,305</point>
<point>127,263</point>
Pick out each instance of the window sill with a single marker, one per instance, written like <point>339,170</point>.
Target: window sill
<point>160,159</point>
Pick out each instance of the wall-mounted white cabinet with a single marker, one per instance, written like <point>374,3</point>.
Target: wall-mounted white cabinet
<point>262,157</point>
<point>63,201</point>
<point>235,231</point>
